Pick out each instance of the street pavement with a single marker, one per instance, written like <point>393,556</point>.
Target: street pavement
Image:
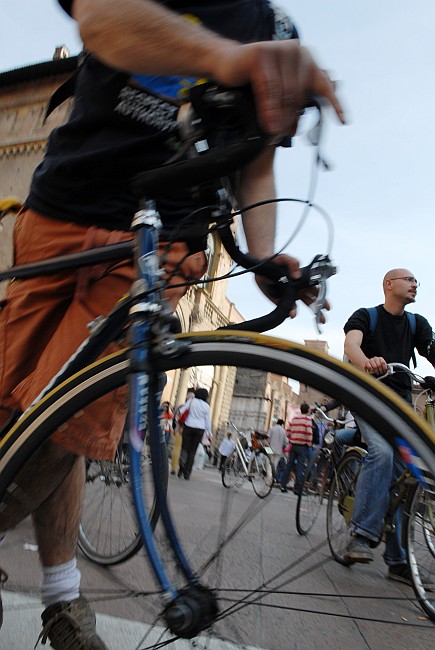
<point>325,605</point>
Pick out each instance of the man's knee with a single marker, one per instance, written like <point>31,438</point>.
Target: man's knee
<point>34,483</point>
<point>378,448</point>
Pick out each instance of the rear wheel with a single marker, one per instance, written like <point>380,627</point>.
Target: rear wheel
<point>340,504</point>
<point>420,541</point>
<point>314,491</point>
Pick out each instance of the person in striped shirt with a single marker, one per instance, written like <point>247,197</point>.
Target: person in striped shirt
<point>301,437</point>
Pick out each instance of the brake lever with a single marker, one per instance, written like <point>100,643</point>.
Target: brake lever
<point>319,271</point>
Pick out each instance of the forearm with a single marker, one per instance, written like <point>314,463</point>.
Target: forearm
<point>143,36</point>
<point>259,225</point>
<point>355,354</point>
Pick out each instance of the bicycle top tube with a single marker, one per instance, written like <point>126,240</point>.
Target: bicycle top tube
<point>109,253</point>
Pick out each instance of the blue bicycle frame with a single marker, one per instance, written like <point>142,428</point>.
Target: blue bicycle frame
<point>145,398</point>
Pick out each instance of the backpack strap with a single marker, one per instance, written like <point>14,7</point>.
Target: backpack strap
<point>412,321</point>
<point>373,315</point>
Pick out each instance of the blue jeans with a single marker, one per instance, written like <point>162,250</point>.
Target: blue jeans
<point>380,468</point>
<point>344,438</point>
<point>301,453</point>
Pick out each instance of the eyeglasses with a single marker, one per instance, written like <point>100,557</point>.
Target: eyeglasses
<point>410,279</point>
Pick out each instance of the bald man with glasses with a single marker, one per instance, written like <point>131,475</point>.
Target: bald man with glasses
<point>375,337</point>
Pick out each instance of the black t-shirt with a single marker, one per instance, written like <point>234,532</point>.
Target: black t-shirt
<point>393,340</point>
<point>123,124</point>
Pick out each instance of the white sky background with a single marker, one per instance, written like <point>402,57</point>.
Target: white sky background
<point>380,193</point>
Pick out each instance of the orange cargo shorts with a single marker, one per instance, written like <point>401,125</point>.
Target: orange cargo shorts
<point>43,320</point>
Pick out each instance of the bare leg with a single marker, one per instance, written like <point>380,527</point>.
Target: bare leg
<point>57,519</point>
<point>38,479</point>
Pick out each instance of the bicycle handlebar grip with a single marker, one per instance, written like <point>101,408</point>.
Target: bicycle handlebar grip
<point>169,180</point>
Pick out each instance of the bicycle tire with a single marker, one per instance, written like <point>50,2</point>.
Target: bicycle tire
<point>261,473</point>
<point>232,472</point>
<point>340,505</point>
<point>109,533</point>
<point>252,351</point>
<point>313,491</point>
<point>419,541</point>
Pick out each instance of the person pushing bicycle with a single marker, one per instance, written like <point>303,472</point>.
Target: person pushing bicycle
<point>375,337</point>
<point>141,56</point>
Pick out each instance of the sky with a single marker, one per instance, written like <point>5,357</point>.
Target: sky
<point>379,192</point>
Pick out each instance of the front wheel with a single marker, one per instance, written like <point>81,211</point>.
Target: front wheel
<point>419,532</point>
<point>226,533</point>
<point>340,504</point>
<point>261,473</point>
<point>314,491</point>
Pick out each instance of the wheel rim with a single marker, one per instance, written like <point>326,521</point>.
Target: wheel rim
<point>421,549</point>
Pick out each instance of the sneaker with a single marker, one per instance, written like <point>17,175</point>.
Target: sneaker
<point>358,550</point>
<point>3,578</point>
<point>70,626</point>
<point>402,573</point>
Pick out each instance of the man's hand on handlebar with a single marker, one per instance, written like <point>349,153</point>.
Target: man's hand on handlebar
<point>308,295</point>
<point>376,365</point>
<point>283,75</point>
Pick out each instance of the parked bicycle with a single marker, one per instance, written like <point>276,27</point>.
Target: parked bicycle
<point>197,590</point>
<point>416,504</point>
<point>319,474</point>
<point>250,460</point>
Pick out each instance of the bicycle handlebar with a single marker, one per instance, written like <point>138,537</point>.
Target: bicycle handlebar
<point>329,419</point>
<point>214,109</point>
<point>427,383</point>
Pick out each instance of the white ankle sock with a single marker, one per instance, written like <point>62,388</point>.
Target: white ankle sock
<point>60,582</point>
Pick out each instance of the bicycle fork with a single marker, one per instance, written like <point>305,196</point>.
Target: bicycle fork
<point>193,608</point>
